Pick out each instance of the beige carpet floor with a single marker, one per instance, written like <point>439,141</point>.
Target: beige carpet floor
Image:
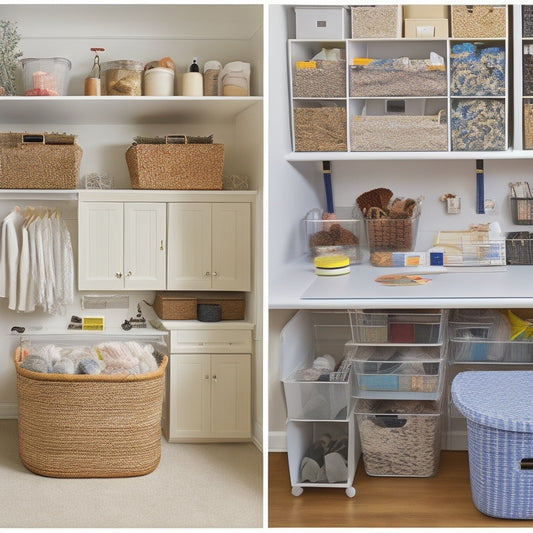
<point>195,485</point>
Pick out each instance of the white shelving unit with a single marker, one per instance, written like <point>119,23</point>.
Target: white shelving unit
<point>298,176</point>
<point>313,405</point>
<point>358,101</point>
<point>105,126</point>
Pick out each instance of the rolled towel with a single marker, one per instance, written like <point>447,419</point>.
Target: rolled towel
<point>36,363</point>
<point>64,366</point>
<point>324,361</point>
<point>89,366</point>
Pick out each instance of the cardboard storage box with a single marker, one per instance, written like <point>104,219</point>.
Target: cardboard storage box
<point>425,12</point>
<point>424,28</point>
<point>322,22</point>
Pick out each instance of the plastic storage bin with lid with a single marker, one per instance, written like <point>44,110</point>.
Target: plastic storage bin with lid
<point>498,406</point>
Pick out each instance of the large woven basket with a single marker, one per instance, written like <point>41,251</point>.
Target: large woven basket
<point>47,164</point>
<point>176,166</point>
<point>97,426</point>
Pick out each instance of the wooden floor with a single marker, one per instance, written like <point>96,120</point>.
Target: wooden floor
<point>441,501</point>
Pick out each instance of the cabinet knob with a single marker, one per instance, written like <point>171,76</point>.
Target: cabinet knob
<point>215,274</point>
<point>208,273</point>
<point>206,376</point>
<point>161,245</point>
<point>118,275</point>
<point>214,378</point>
<point>129,274</point>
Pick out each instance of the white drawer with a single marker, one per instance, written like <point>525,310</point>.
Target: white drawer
<point>210,341</point>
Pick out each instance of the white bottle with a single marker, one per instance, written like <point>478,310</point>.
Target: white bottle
<point>193,81</point>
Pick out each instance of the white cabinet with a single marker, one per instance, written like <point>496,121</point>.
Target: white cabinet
<point>208,395</point>
<point>122,246</point>
<point>209,246</point>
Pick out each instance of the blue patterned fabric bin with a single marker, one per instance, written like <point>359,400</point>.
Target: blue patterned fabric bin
<point>498,406</point>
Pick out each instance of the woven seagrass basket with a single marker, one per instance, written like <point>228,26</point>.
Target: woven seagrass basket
<point>90,426</point>
<point>48,161</point>
<point>391,234</point>
<point>176,166</point>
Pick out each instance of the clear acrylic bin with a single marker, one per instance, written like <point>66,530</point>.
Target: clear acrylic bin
<point>472,343</point>
<point>333,237</point>
<point>424,327</point>
<point>408,372</point>
<point>318,400</point>
<point>400,437</point>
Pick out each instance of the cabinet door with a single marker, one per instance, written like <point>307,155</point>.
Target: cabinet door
<point>231,396</point>
<point>231,246</point>
<point>100,245</point>
<point>189,246</point>
<point>145,246</point>
<point>190,394</point>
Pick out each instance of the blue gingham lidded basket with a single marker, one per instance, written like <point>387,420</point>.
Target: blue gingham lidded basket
<point>498,406</point>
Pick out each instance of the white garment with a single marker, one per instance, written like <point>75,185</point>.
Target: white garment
<point>36,261</point>
<point>10,256</point>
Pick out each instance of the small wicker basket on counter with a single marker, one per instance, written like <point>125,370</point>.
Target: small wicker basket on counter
<point>39,161</point>
<point>175,165</point>
<point>90,426</point>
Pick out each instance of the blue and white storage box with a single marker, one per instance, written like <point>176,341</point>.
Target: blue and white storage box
<point>498,406</point>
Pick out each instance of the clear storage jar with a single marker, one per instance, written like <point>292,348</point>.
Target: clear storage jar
<point>122,78</point>
<point>46,76</point>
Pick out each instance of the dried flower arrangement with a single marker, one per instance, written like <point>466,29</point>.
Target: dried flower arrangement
<point>9,55</point>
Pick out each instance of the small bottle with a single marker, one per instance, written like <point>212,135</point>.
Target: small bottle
<point>193,81</point>
<point>92,85</point>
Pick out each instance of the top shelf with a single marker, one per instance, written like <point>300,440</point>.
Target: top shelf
<point>122,110</point>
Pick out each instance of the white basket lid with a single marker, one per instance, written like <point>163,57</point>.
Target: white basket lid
<point>498,399</point>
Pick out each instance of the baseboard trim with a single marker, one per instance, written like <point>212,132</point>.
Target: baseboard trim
<point>277,441</point>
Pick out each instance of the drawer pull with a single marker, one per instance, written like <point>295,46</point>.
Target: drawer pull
<point>526,463</point>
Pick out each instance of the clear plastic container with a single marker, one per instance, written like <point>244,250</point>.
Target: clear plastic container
<point>409,372</point>
<point>122,78</point>
<point>46,76</point>
<point>335,236</point>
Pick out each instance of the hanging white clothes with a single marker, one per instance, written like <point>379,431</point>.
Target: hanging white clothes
<point>36,261</point>
<point>10,256</point>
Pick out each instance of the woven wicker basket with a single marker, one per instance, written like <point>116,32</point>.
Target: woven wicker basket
<point>176,166</point>
<point>469,21</point>
<point>98,426</point>
<point>182,305</point>
<point>391,234</point>
<point>175,306</point>
<point>38,165</point>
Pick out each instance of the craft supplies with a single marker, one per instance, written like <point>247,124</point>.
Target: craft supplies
<point>332,265</point>
<point>92,84</point>
<point>479,245</point>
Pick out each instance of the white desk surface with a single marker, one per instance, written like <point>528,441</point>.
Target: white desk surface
<point>487,287</point>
